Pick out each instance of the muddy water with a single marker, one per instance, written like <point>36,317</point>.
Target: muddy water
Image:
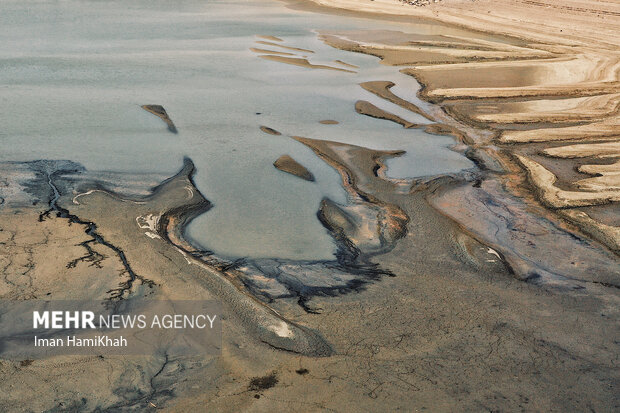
<point>74,74</point>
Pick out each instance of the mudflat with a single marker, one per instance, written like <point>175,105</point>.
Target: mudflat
<point>493,288</point>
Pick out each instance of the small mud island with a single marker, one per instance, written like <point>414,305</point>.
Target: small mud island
<point>547,93</point>
<point>160,112</point>
<point>493,285</point>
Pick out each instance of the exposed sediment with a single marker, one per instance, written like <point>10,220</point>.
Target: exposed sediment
<point>295,49</point>
<point>382,88</point>
<point>576,22</point>
<point>363,227</point>
<point>298,58</point>
<point>522,92</point>
<point>584,150</point>
<point>270,131</point>
<point>300,61</point>
<point>273,52</point>
<point>606,177</point>
<point>533,246</point>
<point>160,112</point>
<point>289,165</point>
<point>451,312</point>
<point>453,287</point>
<point>544,181</point>
<point>271,38</point>
<point>371,224</point>
<point>169,262</point>
<point>364,107</point>
<point>400,49</point>
<point>346,64</point>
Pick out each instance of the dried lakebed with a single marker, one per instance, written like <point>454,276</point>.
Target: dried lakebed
<point>435,285</point>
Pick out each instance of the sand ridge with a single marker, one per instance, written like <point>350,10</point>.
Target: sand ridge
<point>289,165</point>
<point>298,58</point>
<point>531,87</point>
<point>160,112</point>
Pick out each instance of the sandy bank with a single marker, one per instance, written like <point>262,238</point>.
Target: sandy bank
<point>542,86</point>
<point>584,22</point>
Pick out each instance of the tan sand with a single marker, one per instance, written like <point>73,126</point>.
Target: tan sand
<point>555,70</point>
<point>297,49</point>
<point>160,112</point>
<point>398,48</point>
<point>601,150</point>
<point>382,89</point>
<point>387,356</point>
<point>610,235</point>
<point>346,64</point>
<point>604,130</point>
<point>366,108</point>
<point>613,168</point>
<point>551,195</point>
<point>459,334</point>
<point>547,110</point>
<point>265,51</point>
<point>46,260</point>
<point>370,223</point>
<point>289,165</point>
<point>298,61</point>
<point>328,122</point>
<point>270,131</point>
<point>372,350</point>
<point>272,38</point>
<point>602,183</point>
<point>448,130</point>
<point>607,176</point>
<point>581,22</point>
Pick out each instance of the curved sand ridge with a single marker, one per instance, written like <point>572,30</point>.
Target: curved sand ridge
<point>367,225</point>
<point>161,113</point>
<point>160,219</point>
<point>168,266</point>
<point>364,107</point>
<point>371,224</point>
<point>540,87</point>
